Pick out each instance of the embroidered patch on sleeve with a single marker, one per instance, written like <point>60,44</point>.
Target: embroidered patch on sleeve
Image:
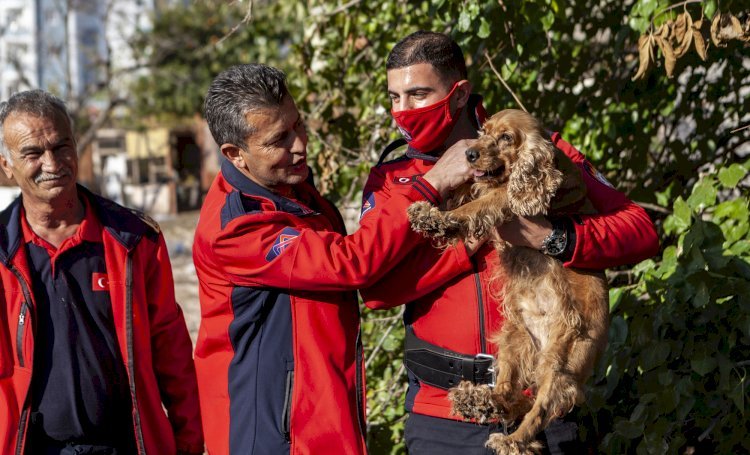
<point>368,205</point>
<point>596,174</point>
<point>285,238</point>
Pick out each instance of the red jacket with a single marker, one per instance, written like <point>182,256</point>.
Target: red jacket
<point>448,295</point>
<point>153,339</point>
<point>278,356</point>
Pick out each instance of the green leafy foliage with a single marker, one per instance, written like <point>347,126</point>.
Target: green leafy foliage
<point>674,375</point>
<point>677,377</point>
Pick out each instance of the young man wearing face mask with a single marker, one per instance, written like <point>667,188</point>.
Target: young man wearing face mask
<point>450,309</point>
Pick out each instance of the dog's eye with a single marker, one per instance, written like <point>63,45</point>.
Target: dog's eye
<point>505,137</point>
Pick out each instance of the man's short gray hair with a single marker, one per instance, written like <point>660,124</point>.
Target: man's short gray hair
<point>36,102</point>
<point>237,91</point>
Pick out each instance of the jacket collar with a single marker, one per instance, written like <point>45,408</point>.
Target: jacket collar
<point>249,188</point>
<point>124,225</point>
<point>10,230</point>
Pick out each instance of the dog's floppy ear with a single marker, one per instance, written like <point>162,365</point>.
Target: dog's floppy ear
<point>533,178</point>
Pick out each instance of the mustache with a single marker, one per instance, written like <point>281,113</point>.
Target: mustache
<point>47,176</point>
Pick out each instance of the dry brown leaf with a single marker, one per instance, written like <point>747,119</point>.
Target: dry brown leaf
<point>700,37</point>
<point>725,27</point>
<point>668,53</point>
<point>645,56</point>
<point>665,29</point>
<point>682,34</point>
<point>715,29</point>
<point>746,28</point>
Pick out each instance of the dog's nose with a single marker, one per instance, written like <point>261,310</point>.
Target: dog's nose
<point>472,154</point>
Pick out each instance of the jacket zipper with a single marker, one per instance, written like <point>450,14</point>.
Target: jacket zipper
<point>286,416</point>
<point>360,386</point>
<point>131,363</point>
<point>22,323</point>
<point>480,305</point>
<point>21,316</point>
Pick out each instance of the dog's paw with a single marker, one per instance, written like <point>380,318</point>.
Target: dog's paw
<point>472,401</point>
<point>503,444</point>
<point>431,222</point>
<point>510,402</point>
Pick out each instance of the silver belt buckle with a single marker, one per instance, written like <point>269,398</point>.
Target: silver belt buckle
<point>491,369</point>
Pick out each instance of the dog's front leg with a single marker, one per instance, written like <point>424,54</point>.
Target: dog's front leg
<point>479,217</point>
<point>431,222</point>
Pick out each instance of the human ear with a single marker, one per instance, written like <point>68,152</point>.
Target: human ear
<point>5,164</point>
<point>463,90</point>
<point>232,153</point>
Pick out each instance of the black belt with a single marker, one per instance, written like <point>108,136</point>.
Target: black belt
<point>443,368</point>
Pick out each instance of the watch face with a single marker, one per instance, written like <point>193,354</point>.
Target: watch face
<point>555,243</point>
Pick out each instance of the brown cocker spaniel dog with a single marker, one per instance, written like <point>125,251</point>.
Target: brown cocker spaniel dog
<point>556,318</point>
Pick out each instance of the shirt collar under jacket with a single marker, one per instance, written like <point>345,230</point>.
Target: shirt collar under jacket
<point>249,188</point>
<point>89,230</point>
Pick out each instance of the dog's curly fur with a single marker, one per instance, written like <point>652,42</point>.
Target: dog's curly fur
<point>556,318</point>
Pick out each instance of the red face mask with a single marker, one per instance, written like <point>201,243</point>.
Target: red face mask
<point>426,128</point>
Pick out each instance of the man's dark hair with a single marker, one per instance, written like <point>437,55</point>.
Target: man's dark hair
<point>35,102</point>
<point>237,91</point>
<point>437,49</point>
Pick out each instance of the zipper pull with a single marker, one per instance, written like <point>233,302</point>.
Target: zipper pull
<point>21,318</point>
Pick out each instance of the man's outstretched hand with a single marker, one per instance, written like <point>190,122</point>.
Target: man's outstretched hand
<point>452,169</point>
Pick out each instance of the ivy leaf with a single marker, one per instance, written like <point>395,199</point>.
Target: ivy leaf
<point>464,20</point>
<point>704,195</point>
<point>615,295</point>
<point>629,429</point>
<point>618,331</point>
<point>682,215</point>
<point>737,395</point>
<point>731,176</point>
<point>484,29</point>
<point>655,355</point>
<point>647,7</point>
<point>702,296</point>
<point>547,20</point>
<point>703,364</point>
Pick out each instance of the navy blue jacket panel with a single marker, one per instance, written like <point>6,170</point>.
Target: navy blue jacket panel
<point>261,373</point>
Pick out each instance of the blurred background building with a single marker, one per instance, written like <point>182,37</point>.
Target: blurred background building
<point>80,51</point>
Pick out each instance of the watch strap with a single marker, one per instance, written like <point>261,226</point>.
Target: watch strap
<point>563,224</point>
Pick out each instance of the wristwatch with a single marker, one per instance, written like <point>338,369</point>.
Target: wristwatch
<point>557,240</point>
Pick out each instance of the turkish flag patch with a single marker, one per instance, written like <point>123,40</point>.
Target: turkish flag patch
<point>99,282</point>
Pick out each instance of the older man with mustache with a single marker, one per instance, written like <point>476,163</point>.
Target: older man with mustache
<point>93,346</point>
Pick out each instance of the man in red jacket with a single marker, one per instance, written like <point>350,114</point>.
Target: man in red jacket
<point>93,346</point>
<point>279,357</point>
<point>450,310</point>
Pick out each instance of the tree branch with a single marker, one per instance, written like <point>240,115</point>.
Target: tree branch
<point>376,349</point>
<point>654,207</point>
<point>676,5</point>
<point>246,19</point>
<point>489,60</point>
<point>88,137</point>
<point>343,7</point>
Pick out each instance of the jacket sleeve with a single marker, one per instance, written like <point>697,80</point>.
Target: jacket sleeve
<point>172,351</point>
<point>424,270</point>
<point>271,249</point>
<point>621,233</point>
